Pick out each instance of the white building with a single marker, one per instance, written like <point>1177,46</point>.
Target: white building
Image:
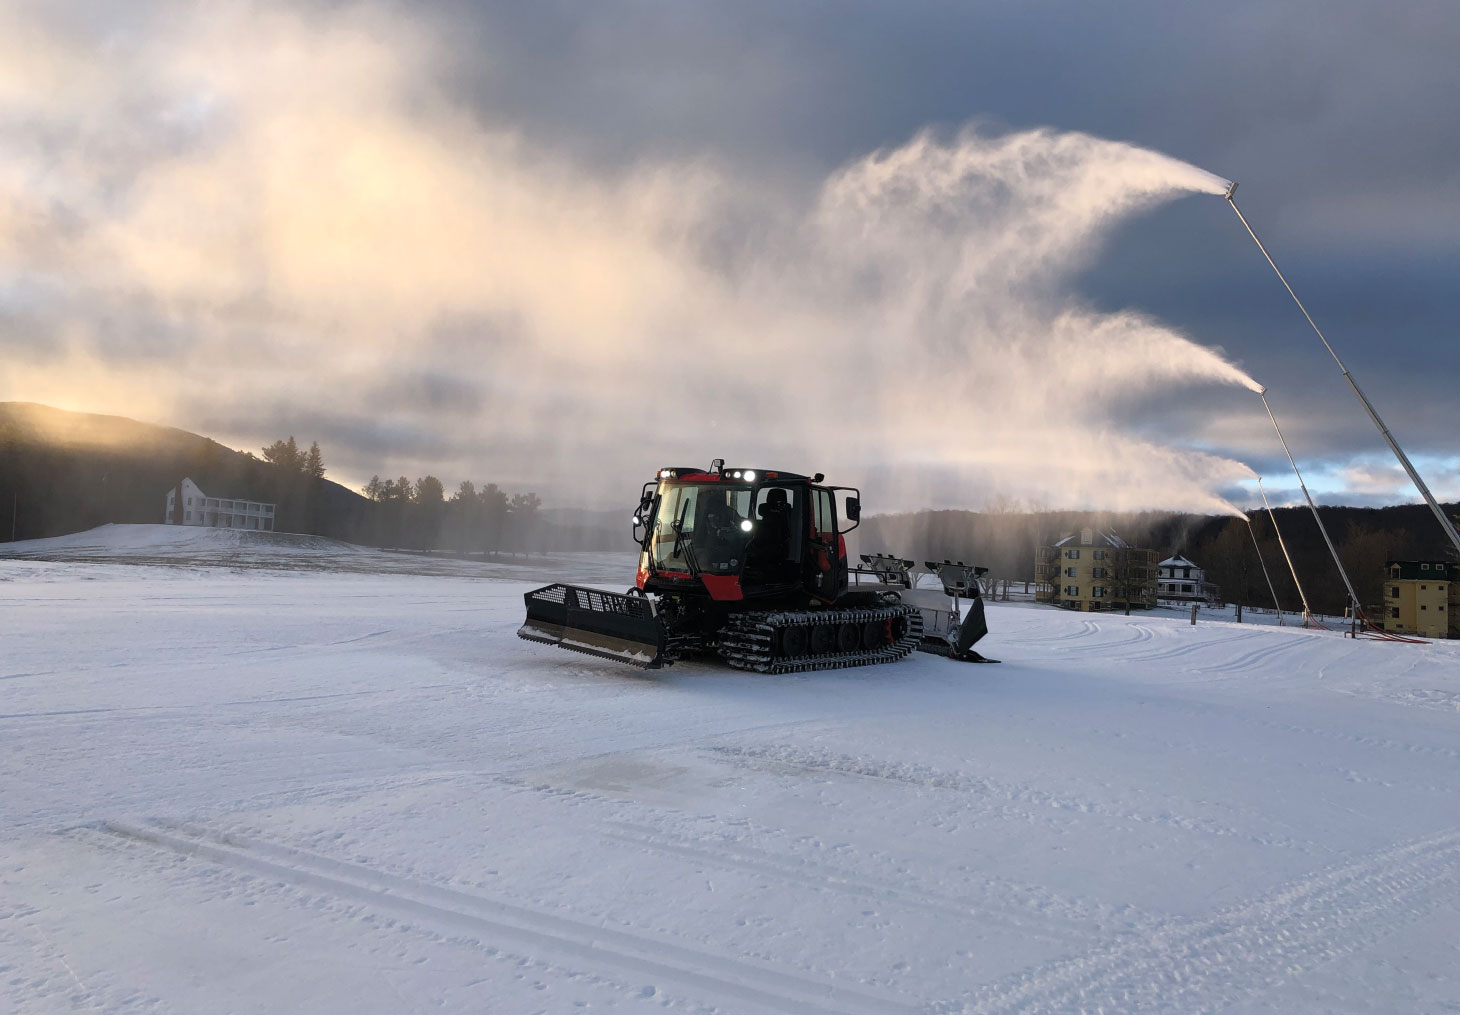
<point>188,505</point>
<point>1182,581</point>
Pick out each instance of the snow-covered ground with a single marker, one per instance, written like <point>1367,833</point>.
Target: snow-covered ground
<point>273,782</point>
<point>196,546</point>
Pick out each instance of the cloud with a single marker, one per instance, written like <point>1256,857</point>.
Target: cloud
<point>253,220</point>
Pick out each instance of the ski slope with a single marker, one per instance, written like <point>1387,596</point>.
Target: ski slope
<point>245,775</point>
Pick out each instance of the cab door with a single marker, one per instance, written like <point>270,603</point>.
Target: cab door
<point>828,562</point>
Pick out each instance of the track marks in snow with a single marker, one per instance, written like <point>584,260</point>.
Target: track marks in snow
<point>1196,645</point>
<point>1250,661</point>
<point>1029,910</point>
<point>1190,967</point>
<point>1000,800</point>
<point>17,676</point>
<point>1140,634</point>
<point>1085,630</point>
<point>1137,634</point>
<point>1434,698</point>
<point>618,951</point>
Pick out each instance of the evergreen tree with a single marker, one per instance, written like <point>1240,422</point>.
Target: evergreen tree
<point>285,455</point>
<point>523,514</point>
<point>314,461</point>
<point>494,516</point>
<point>463,515</point>
<point>430,508</point>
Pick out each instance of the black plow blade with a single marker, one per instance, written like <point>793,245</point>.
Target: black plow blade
<point>943,639</point>
<point>623,628</point>
<point>973,628</point>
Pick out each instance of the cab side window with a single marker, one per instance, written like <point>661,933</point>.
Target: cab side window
<point>823,516</point>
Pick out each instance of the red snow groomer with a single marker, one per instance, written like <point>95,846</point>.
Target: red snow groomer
<point>751,565</point>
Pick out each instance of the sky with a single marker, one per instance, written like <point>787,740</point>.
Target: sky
<point>958,254</point>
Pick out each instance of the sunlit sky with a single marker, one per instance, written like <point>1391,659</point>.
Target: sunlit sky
<point>527,243</point>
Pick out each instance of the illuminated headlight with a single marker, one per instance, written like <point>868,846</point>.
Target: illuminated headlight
<point>749,476</point>
<point>735,474</point>
<point>665,473</point>
<point>637,521</point>
<point>745,525</point>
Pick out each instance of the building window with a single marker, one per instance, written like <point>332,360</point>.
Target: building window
<point>1071,572</point>
<point>188,515</point>
<point>1187,588</point>
<point>1394,591</point>
<point>1393,611</point>
<point>1424,607</point>
<point>1073,591</point>
<point>1099,554</point>
<point>1424,567</point>
<point>1072,554</point>
<point>1099,572</point>
<point>1098,592</point>
<point>1424,588</point>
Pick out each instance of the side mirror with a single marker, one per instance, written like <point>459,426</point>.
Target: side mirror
<point>853,509</point>
<point>642,515</point>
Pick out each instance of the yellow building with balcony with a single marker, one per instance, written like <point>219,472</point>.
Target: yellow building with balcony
<point>1422,597</point>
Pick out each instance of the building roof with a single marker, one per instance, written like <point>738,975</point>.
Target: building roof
<point>1422,570</point>
<point>1178,561</point>
<point>1094,538</point>
<point>214,496</point>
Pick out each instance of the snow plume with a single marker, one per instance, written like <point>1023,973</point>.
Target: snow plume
<point>264,221</point>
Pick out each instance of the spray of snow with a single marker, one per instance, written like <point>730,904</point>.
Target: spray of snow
<point>303,234</point>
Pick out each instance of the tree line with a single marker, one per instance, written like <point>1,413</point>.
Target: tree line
<point>401,514</point>
<point>64,472</point>
<point>1006,541</point>
<point>420,516</point>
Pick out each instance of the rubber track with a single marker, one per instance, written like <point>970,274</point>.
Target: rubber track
<point>748,639</point>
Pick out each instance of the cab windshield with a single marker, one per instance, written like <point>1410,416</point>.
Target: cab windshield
<point>701,527</point>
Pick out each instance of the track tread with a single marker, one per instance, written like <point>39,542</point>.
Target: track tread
<point>748,640</point>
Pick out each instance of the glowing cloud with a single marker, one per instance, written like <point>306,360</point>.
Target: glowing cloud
<point>268,221</point>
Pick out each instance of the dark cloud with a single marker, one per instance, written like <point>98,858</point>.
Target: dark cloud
<point>1335,117</point>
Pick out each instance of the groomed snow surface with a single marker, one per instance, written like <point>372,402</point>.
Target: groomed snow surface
<point>255,773</point>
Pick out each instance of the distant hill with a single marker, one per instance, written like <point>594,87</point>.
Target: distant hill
<point>68,471</point>
<point>65,471</point>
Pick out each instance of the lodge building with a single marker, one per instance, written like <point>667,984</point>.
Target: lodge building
<point>1091,570</point>
<point>188,505</point>
<point>1181,581</point>
<point>1422,597</point>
